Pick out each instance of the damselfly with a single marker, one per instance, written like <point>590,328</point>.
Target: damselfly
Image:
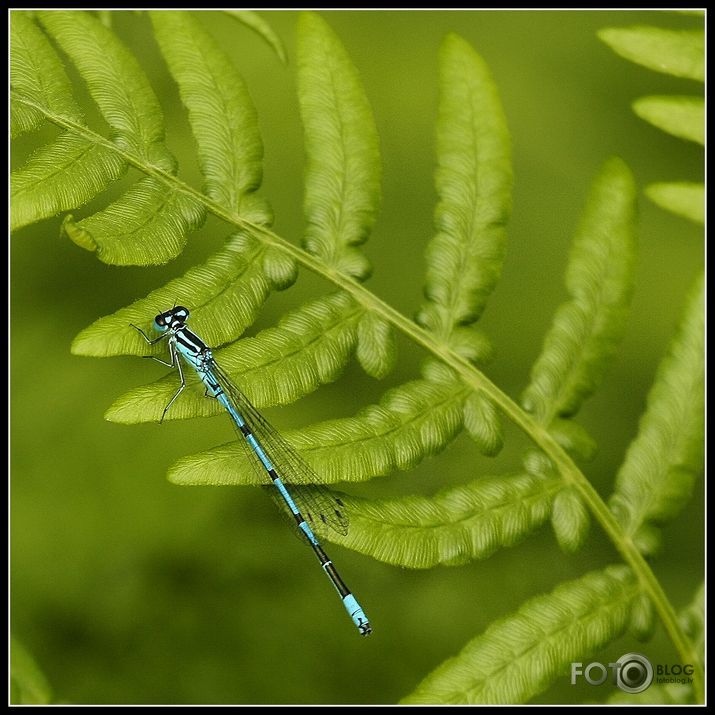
<point>278,463</point>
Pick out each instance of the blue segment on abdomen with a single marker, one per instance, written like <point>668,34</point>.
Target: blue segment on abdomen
<point>356,613</point>
<point>240,423</point>
<point>286,495</point>
<point>259,451</point>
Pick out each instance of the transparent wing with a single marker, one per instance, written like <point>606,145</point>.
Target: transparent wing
<point>315,501</point>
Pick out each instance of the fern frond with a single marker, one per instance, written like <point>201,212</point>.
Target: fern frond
<point>676,52</point>
<point>587,329</point>
<point>376,350</point>
<point>473,180</point>
<point>116,83</point>
<point>148,225</point>
<point>222,116</point>
<point>255,22</point>
<point>61,175</point>
<point>570,520</point>
<point>573,438</point>
<point>662,462</point>
<point>37,76</point>
<point>232,283</point>
<point>483,423</point>
<point>521,655</point>
<point>643,619</point>
<point>692,620</point>
<point>681,54</point>
<point>412,422</point>
<point>151,222</point>
<point>375,341</point>
<point>681,198</point>
<point>342,181</point>
<point>308,348</point>
<point>682,117</point>
<point>472,344</point>
<point>454,526</point>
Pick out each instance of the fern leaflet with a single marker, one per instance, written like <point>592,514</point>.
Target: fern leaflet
<point>677,52</point>
<point>473,180</point>
<point>662,462</point>
<point>456,525</point>
<point>587,329</point>
<point>342,182</point>
<point>522,654</point>
<point>311,345</point>
<point>682,54</point>
<point>685,199</point>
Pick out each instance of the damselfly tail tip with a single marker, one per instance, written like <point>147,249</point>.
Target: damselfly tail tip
<point>365,628</point>
<point>357,614</point>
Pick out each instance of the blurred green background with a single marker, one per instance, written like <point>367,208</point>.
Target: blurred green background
<point>128,589</point>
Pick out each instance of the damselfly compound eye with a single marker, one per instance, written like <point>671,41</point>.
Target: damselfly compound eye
<point>181,313</point>
<point>160,323</point>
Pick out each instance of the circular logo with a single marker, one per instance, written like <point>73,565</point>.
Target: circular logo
<point>634,673</point>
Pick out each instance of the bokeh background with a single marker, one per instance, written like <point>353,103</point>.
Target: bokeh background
<point>127,589</point>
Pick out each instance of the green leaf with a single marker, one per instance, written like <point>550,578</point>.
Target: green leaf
<point>61,175</point>
<point>230,284</point>
<point>37,78</point>
<point>471,344</point>
<point>256,23</point>
<point>522,654</point>
<point>587,329</point>
<point>454,526</point>
<point>676,52</point>
<point>223,118</point>
<point>412,421</point>
<point>570,520</point>
<point>148,225</point>
<point>308,348</point>
<point>473,181</point>
<point>681,198</point>
<point>573,438</point>
<point>643,619</point>
<point>342,181</point>
<point>537,463</point>
<point>683,117</point>
<point>692,621</point>
<point>483,422</point>
<point>116,82</point>
<point>280,268</point>
<point>27,682</point>
<point>647,539</point>
<point>376,349</point>
<point>661,464</point>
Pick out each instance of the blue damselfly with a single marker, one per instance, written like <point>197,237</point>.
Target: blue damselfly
<point>280,465</point>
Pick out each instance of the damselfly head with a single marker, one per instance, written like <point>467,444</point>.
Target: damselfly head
<point>171,319</point>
